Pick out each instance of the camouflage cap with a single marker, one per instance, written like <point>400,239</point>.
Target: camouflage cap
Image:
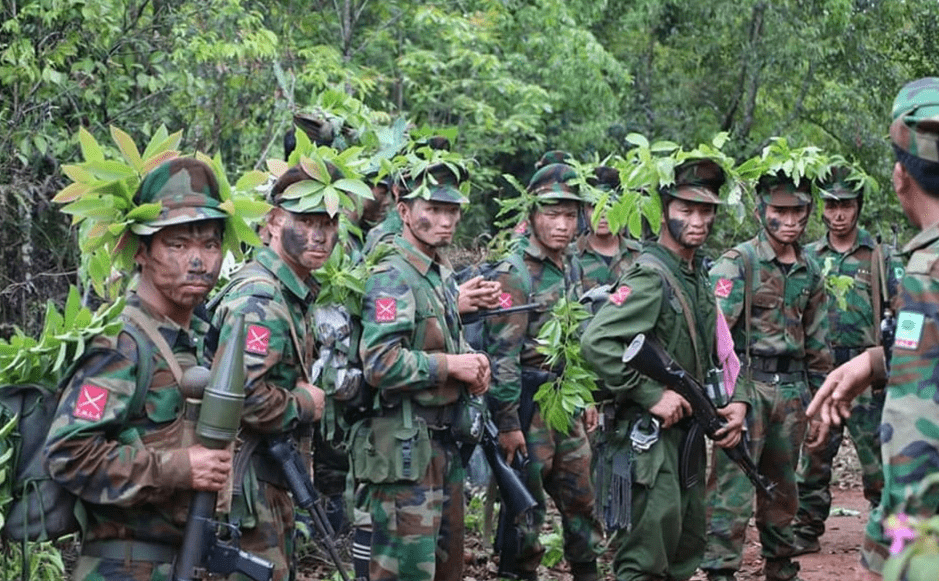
<point>187,190</point>
<point>554,183</point>
<point>553,156</point>
<point>915,126</point>
<point>299,204</point>
<point>439,183</point>
<point>780,190</point>
<point>698,180</point>
<point>837,187</point>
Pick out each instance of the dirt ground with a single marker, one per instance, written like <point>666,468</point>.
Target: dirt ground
<point>837,561</point>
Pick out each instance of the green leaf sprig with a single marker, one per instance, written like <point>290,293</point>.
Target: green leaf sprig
<point>342,279</point>
<point>572,389</point>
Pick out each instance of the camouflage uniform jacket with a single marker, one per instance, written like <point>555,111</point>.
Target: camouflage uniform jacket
<point>644,302</point>
<point>384,232</point>
<point>135,483</point>
<point>857,325</point>
<point>789,310</point>
<point>409,324</point>
<point>599,269</point>
<point>273,298</point>
<point>511,339</point>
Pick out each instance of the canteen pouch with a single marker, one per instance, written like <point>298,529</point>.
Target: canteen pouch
<point>467,424</point>
<point>391,449</point>
<point>691,456</point>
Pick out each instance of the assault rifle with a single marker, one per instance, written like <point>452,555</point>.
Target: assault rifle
<point>647,356</point>
<point>219,419</point>
<point>285,454</point>
<point>476,316</point>
<point>517,501</point>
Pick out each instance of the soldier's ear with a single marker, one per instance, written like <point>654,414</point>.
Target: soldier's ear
<point>275,220</point>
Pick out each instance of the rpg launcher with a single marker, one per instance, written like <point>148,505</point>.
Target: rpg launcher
<point>285,454</point>
<point>219,419</point>
<point>647,356</point>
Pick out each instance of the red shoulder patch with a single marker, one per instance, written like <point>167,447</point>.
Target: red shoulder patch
<point>505,301</point>
<point>723,287</point>
<point>620,296</point>
<point>257,340</point>
<point>91,402</point>
<point>386,310</point>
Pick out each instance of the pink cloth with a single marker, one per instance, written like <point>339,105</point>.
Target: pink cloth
<point>725,353</point>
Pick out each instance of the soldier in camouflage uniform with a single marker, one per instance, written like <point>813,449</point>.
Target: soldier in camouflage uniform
<point>604,255</point>
<point>136,484</point>
<point>853,253</point>
<point>774,299</point>
<point>560,463</point>
<point>665,294</point>
<point>909,445</point>
<point>414,354</point>
<point>275,292</point>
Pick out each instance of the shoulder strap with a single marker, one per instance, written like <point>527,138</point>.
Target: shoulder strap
<point>650,259</point>
<point>878,288</point>
<point>143,323</point>
<point>259,277</point>
<point>144,371</point>
<point>749,258</point>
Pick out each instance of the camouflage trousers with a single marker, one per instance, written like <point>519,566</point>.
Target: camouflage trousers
<point>272,538</point>
<point>98,569</point>
<point>814,475</point>
<point>559,466</point>
<point>776,430</point>
<point>417,528</point>
<point>667,539</point>
<point>910,452</point>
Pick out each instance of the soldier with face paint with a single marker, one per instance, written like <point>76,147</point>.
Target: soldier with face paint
<point>560,463</point>
<point>666,294</point>
<point>909,447</point>
<point>275,292</point>
<point>854,327</point>
<point>136,483</point>
<point>414,355</point>
<point>774,299</point>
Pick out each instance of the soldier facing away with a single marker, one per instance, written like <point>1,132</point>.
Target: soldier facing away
<point>665,294</point>
<point>133,468</point>
<point>773,297</point>
<point>414,355</point>
<point>909,446</point>
<point>853,327</point>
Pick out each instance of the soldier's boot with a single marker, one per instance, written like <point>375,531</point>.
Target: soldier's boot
<point>586,571</point>
<point>781,569</point>
<point>720,574</point>
<point>805,545</point>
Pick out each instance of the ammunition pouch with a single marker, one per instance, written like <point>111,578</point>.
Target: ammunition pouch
<point>691,456</point>
<point>391,448</point>
<point>467,424</point>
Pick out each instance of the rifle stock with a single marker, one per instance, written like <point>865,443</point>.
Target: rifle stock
<point>647,356</point>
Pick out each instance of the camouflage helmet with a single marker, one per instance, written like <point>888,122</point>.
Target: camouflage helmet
<point>554,183</point>
<point>553,156</point>
<point>439,183</point>
<point>697,180</point>
<point>780,190</point>
<point>298,204</point>
<point>915,126</point>
<point>836,185</point>
<point>187,190</point>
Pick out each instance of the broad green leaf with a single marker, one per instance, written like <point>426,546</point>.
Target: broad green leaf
<point>71,193</point>
<point>91,151</point>
<point>128,148</point>
<point>251,180</point>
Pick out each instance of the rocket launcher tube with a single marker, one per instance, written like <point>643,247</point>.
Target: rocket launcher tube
<point>219,419</point>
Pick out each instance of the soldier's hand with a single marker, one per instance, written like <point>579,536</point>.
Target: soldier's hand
<point>210,468</point>
<point>591,418</point>
<point>477,293</point>
<point>735,413</point>
<point>472,369</point>
<point>832,401</point>
<point>670,408</point>
<point>513,442</point>
<point>817,434</point>
<point>318,395</point>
